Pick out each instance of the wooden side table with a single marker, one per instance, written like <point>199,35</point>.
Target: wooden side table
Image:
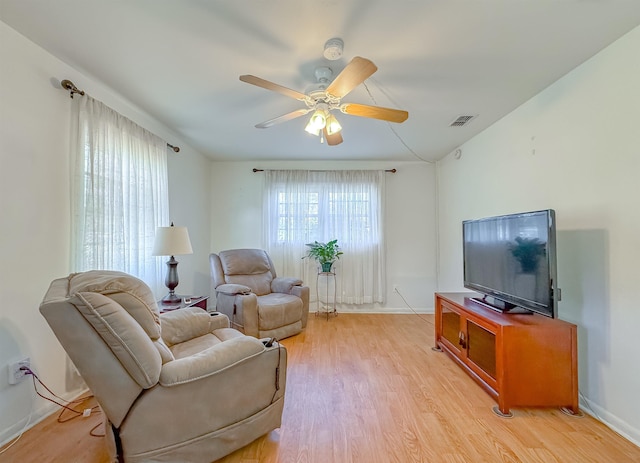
<point>196,301</point>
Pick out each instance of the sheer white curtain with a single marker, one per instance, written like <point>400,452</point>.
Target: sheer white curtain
<point>119,193</point>
<point>305,206</point>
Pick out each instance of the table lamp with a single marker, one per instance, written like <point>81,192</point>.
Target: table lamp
<point>171,241</point>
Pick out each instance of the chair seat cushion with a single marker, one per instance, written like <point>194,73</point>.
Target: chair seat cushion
<point>195,345</point>
<point>278,309</point>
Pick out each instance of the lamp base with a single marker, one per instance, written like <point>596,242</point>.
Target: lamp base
<point>171,282</point>
<point>171,298</point>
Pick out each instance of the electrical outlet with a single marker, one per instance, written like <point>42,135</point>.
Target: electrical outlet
<point>15,373</point>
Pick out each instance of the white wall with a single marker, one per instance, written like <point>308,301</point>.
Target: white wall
<point>409,222</point>
<point>574,148</point>
<point>190,205</point>
<point>34,212</point>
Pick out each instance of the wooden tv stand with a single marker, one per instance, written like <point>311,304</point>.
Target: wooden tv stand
<point>525,360</point>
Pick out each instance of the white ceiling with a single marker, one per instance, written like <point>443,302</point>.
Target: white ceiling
<point>437,59</point>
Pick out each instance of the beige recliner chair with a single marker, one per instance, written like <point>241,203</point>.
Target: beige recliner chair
<point>176,387</point>
<point>254,298</point>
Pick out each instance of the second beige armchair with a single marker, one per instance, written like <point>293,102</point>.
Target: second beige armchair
<point>255,299</point>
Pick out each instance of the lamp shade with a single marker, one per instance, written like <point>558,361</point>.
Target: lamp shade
<point>333,126</point>
<point>318,119</point>
<point>172,241</point>
<point>312,129</point>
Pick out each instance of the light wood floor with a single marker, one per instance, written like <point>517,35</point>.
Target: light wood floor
<point>368,389</point>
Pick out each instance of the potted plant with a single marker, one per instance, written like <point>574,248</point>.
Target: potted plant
<point>324,253</point>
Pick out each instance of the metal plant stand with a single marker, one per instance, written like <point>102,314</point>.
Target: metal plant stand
<point>328,305</point>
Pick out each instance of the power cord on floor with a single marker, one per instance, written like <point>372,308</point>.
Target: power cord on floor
<point>396,290</point>
<point>65,407</point>
<point>85,412</point>
<point>590,410</point>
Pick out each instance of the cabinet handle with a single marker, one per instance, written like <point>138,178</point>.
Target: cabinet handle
<point>461,340</point>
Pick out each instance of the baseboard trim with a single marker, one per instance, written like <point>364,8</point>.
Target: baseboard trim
<point>611,421</point>
<point>37,415</point>
<point>385,310</point>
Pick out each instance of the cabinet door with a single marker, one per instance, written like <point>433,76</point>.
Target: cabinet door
<point>451,326</point>
<point>481,348</point>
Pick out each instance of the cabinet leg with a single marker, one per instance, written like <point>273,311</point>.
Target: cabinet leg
<point>502,414</point>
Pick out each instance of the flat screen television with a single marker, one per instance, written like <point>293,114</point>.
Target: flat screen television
<point>511,261</point>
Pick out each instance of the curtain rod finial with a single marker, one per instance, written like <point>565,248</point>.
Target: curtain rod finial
<point>68,85</point>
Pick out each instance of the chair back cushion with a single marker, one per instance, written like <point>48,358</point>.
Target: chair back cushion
<point>124,336</point>
<point>249,267</point>
<point>130,292</point>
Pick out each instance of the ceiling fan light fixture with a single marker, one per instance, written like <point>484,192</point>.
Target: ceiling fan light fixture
<point>333,126</point>
<point>333,49</point>
<point>318,119</point>
<point>326,96</point>
<point>311,128</point>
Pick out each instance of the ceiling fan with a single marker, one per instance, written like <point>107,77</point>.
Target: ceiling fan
<point>325,97</point>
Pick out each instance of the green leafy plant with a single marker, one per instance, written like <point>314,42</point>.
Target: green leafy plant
<point>527,251</point>
<point>324,253</point>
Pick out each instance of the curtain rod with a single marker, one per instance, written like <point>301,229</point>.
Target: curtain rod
<point>68,85</point>
<point>392,171</point>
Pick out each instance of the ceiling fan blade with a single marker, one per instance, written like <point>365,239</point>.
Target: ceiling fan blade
<point>283,118</point>
<point>333,139</point>
<point>274,87</point>
<point>357,71</point>
<point>374,112</point>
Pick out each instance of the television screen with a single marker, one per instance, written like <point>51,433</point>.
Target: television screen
<point>512,259</point>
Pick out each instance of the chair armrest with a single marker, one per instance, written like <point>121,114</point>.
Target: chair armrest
<point>218,320</point>
<point>303,293</point>
<point>181,325</point>
<point>284,284</point>
<point>251,387</point>
<point>210,361</point>
<point>242,310</point>
<point>231,289</point>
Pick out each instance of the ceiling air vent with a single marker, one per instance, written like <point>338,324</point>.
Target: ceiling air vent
<point>461,121</point>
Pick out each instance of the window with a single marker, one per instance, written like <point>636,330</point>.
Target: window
<point>305,206</point>
<point>120,193</point>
